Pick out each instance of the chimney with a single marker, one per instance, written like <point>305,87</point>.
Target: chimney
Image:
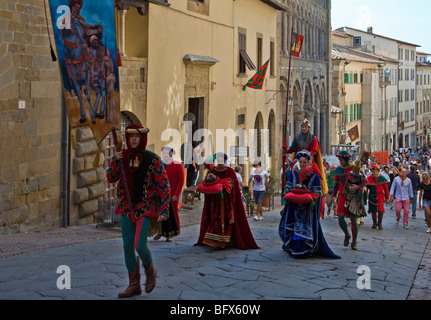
<point>370,30</point>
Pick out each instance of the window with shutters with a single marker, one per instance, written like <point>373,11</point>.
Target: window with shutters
<point>259,41</point>
<point>244,59</point>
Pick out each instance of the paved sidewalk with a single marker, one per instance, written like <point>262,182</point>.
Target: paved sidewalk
<point>398,259</point>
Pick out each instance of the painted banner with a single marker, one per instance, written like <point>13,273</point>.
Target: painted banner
<point>86,43</point>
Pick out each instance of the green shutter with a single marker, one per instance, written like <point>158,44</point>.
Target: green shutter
<point>346,110</point>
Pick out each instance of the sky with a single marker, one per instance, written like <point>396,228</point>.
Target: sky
<point>403,20</point>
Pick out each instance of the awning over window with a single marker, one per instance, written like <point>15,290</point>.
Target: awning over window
<point>192,58</point>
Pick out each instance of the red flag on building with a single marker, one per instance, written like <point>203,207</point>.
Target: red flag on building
<point>257,81</point>
<point>354,133</point>
<point>297,41</point>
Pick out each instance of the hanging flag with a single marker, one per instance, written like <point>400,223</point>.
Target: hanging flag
<point>354,133</point>
<point>297,41</point>
<point>85,38</point>
<point>257,81</point>
<point>402,125</point>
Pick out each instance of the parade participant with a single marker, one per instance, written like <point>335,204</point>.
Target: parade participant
<point>224,222</point>
<point>144,193</point>
<point>402,192</point>
<point>378,194</point>
<point>425,198</point>
<point>349,183</point>
<point>175,172</point>
<point>415,179</point>
<point>307,141</point>
<point>259,180</point>
<point>299,227</point>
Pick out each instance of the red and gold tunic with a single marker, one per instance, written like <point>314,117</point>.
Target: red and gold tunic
<point>141,194</point>
<point>378,191</point>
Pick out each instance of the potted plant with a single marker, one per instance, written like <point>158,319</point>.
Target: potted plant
<point>271,190</point>
<point>248,201</point>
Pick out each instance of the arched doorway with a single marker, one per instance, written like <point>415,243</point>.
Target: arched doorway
<point>271,136</point>
<point>257,141</point>
<point>401,141</point>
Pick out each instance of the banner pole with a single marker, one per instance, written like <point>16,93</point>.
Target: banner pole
<point>286,118</point>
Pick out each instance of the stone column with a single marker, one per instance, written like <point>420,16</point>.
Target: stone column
<point>122,32</point>
<point>289,30</point>
<point>316,125</point>
<point>283,31</point>
<point>323,134</point>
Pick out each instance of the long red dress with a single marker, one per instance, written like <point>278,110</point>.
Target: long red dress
<point>175,173</point>
<point>224,221</point>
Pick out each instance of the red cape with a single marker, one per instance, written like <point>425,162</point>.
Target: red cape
<point>242,237</point>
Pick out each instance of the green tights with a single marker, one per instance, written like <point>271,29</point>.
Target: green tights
<point>135,238</point>
<point>343,226</point>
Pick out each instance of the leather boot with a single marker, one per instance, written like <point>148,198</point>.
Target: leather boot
<point>134,287</point>
<point>150,273</point>
<point>380,221</point>
<point>374,215</point>
<point>346,240</point>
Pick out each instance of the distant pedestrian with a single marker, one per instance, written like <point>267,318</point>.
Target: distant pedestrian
<point>259,178</point>
<point>402,192</point>
<point>414,177</point>
<point>425,198</point>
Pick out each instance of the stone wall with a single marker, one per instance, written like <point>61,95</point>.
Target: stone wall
<point>88,176</point>
<point>30,137</point>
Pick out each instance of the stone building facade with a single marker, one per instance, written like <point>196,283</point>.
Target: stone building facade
<point>310,72</point>
<point>36,176</point>
<point>51,175</point>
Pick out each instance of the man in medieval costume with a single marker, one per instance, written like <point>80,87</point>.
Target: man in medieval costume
<point>145,197</point>
<point>224,221</point>
<point>305,140</point>
<point>378,194</point>
<point>349,184</point>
